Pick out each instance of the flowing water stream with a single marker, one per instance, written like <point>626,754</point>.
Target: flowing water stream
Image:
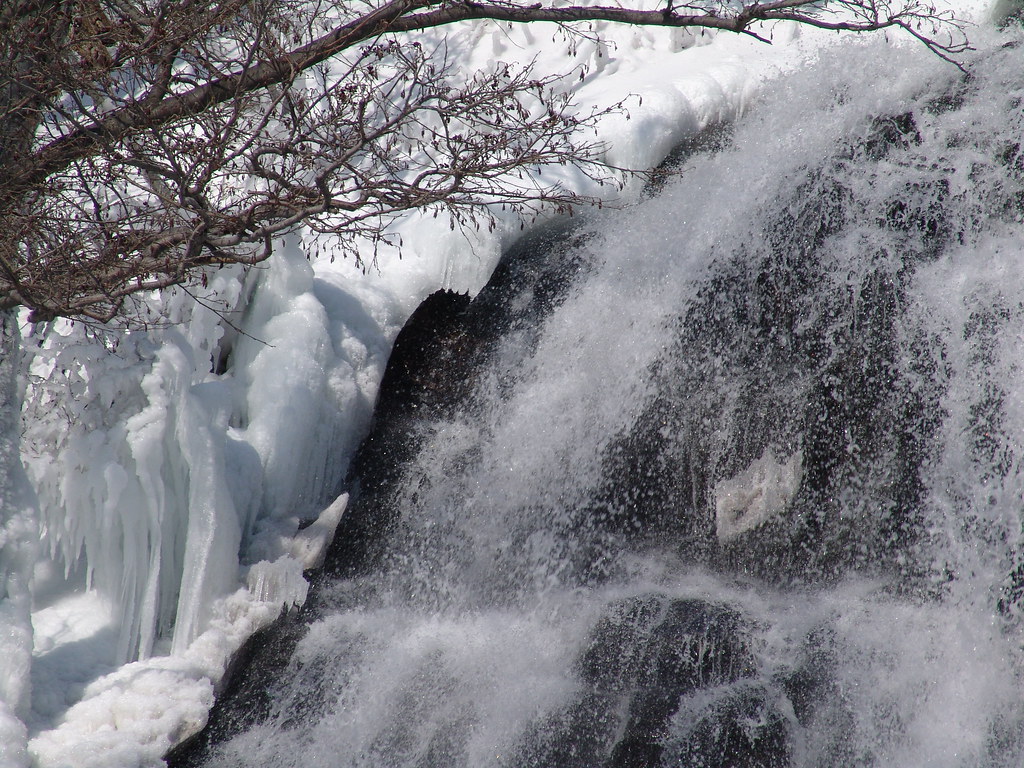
<point>739,483</point>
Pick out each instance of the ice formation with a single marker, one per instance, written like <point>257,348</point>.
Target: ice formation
<point>756,494</point>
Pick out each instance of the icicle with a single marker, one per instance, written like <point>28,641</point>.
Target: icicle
<point>279,582</point>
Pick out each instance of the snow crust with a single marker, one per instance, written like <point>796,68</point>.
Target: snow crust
<point>174,467</point>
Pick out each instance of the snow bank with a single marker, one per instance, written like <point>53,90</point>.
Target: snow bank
<point>134,715</point>
<point>175,466</point>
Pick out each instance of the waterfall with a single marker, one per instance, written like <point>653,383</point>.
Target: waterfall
<point>738,483</point>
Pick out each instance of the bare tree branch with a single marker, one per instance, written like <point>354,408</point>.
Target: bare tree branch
<point>144,140</point>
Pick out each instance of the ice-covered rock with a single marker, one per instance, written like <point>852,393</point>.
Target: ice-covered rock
<point>756,494</point>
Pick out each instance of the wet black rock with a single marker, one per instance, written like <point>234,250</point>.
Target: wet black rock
<point>423,379</point>
<point>744,728</point>
<point>665,682</point>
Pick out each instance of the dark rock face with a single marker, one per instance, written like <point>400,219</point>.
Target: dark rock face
<point>665,682</point>
<point>431,375</point>
<point>774,354</point>
<point>422,376</point>
<point>425,378</point>
<point>817,702</point>
<point>743,730</point>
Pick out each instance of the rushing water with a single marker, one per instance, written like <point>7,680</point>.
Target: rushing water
<point>746,490</point>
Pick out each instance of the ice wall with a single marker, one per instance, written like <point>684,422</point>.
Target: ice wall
<point>18,537</point>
